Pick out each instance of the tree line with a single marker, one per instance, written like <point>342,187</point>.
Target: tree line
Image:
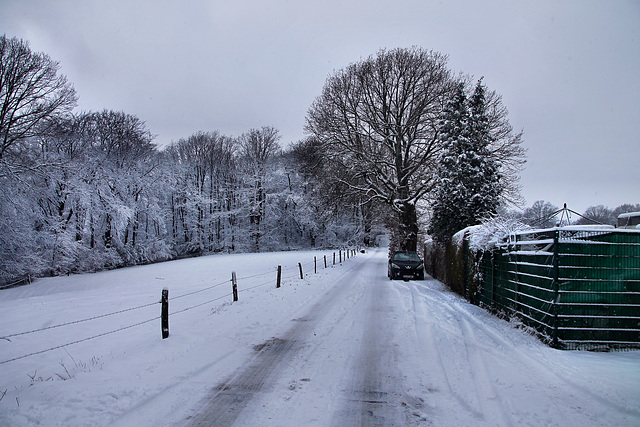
<point>89,191</point>
<point>94,192</point>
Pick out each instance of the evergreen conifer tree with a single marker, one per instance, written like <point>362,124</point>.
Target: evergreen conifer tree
<point>485,183</point>
<point>468,185</point>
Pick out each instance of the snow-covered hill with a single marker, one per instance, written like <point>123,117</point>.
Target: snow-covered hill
<point>344,345</point>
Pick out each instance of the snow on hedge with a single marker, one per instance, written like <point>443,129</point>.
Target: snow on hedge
<point>488,234</point>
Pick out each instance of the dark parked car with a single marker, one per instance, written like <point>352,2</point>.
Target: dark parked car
<point>405,265</point>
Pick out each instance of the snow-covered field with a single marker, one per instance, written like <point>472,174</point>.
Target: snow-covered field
<point>344,346</point>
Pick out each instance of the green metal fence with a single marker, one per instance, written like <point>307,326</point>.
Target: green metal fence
<point>579,287</point>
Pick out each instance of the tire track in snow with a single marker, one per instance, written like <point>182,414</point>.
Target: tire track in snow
<point>503,349</point>
<point>231,397</point>
<point>488,397</point>
<point>491,407</point>
<point>541,368</point>
<point>428,330</point>
<point>351,372</point>
<point>373,397</point>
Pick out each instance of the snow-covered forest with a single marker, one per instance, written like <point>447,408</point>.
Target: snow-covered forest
<point>87,191</point>
<point>95,193</point>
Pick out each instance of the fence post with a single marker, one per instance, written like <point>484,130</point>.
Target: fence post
<point>334,258</point>
<point>556,287</point>
<point>325,261</point>
<point>315,266</point>
<point>493,277</point>
<point>340,256</point>
<point>164,317</point>
<point>516,283</point>
<point>465,250</point>
<point>234,283</point>
<point>300,267</point>
<point>279,276</point>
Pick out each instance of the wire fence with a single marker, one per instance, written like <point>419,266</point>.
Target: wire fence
<point>75,322</point>
<point>264,283</point>
<point>26,280</point>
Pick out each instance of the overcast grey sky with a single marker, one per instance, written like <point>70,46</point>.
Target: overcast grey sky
<point>568,70</point>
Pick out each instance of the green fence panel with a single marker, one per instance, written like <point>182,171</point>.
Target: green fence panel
<point>598,285</point>
<point>585,310</point>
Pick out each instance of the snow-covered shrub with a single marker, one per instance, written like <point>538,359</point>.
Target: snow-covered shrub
<point>492,231</point>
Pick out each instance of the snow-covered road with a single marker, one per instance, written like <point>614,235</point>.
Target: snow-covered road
<point>335,365</point>
<point>374,352</point>
<point>345,346</point>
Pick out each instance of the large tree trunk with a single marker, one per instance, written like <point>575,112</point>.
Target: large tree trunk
<point>408,227</point>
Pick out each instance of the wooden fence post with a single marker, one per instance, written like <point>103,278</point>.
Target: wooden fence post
<point>340,256</point>
<point>234,283</point>
<point>325,261</point>
<point>279,276</point>
<point>300,267</point>
<point>315,266</point>
<point>334,258</point>
<point>164,317</point>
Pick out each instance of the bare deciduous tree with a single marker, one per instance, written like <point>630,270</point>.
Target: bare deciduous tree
<point>599,214</point>
<point>256,148</point>
<point>541,214</point>
<point>31,93</point>
<point>506,148</point>
<point>377,120</point>
<point>201,196</point>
